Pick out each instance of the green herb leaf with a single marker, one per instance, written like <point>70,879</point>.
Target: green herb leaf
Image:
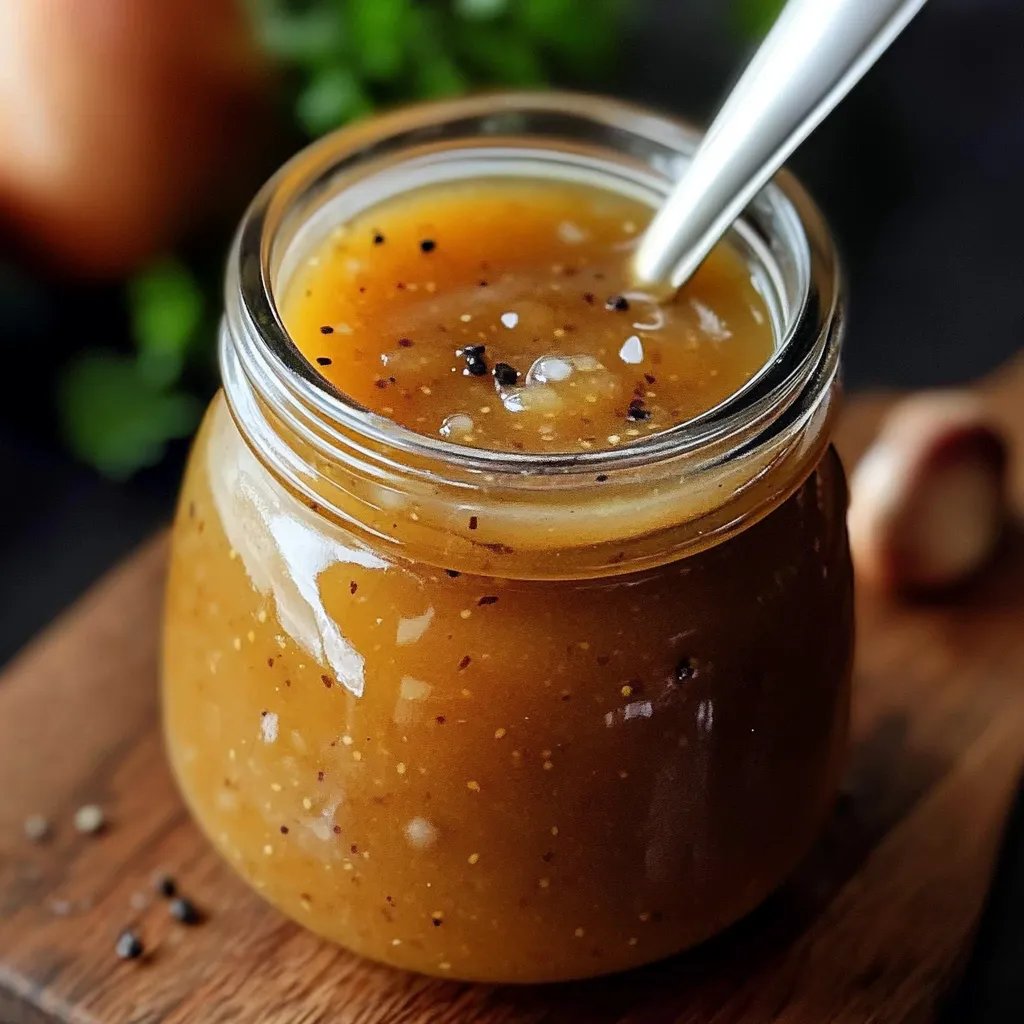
<point>501,55</point>
<point>480,10</point>
<point>165,304</point>
<point>308,38</point>
<point>377,35</point>
<point>332,97</point>
<point>115,418</point>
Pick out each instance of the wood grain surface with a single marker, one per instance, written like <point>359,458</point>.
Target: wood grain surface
<point>872,928</point>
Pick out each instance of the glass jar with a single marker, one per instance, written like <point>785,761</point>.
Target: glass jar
<point>503,716</point>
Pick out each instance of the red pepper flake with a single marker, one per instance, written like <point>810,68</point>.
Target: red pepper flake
<point>428,245</point>
<point>603,659</point>
<point>588,298</point>
<point>498,548</point>
<point>378,238</point>
<point>650,378</point>
<point>353,587</point>
<point>353,848</point>
<point>490,599</point>
<point>405,343</point>
<point>617,302</point>
<point>327,681</point>
<point>601,477</point>
<point>686,670</point>
<point>287,682</point>
<point>454,573</point>
<point>381,383</point>
<point>481,284</point>
<point>324,360</point>
<point>548,856</point>
<point>284,830</point>
<point>270,662</point>
<point>400,285</point>
<point>473,522</point>
<point>319,776</point>
<point>327,329</point>
<point>337,830</point>
<point>440,719</point>
<point>465,662</point>
<point>637,412</point>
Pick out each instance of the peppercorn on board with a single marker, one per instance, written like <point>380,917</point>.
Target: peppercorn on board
<point>873,926</point>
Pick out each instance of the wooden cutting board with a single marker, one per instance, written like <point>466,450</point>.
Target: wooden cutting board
<point>872,928</point>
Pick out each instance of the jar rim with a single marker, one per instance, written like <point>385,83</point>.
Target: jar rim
<point>781,223</point>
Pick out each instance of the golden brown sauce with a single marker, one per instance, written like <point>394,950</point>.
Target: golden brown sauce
<point>499,315</point>
<point>505,773</point>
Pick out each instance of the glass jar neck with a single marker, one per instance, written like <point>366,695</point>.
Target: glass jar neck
<point>515,514</point>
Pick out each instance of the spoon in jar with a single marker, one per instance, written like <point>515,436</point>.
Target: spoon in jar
<point>814,54</point>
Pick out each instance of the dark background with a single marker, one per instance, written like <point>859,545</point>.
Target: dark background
<point>920,173</point>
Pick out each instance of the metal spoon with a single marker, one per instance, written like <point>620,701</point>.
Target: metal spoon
<point>815,53</point>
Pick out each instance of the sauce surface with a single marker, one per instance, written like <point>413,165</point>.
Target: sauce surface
<point>498,315</point>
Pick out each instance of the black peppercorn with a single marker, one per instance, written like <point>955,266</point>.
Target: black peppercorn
<point>617,302</point>
<point>129,946</point>
<point>505,375</point>
<point>428,245</point>
<point>184,911</point>
<point>166,886</point>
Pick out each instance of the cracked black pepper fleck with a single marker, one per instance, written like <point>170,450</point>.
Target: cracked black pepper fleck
<point>129,946</point>
<point>184,910</point>
<point>505,375</point>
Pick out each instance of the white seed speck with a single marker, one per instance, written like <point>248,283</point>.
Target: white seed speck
<point>268,850</point>
<point>89,819</point>
<point>579,933</point>
<point>37,828</point>
<point>466,317</point>
<point>473,858</point>
<point>268,727</point>
<point>400,767</point>
<point>571,234</point>
<point>638,709</point>
<point>510,319</point>
<point>473,786</point>
<point>421,833</point>
<point>632,351</point>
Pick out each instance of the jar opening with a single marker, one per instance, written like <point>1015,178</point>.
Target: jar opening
<point>781,237</point>
<point>300,426</point>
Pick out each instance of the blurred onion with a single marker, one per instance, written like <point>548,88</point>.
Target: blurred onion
<point>122,122</point>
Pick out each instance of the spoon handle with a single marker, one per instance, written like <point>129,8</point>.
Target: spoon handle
<point>815,53</point>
